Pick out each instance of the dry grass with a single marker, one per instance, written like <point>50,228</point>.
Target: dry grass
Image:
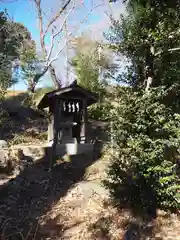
<point>77,216</point>
<point>28,137</point>
<point>97,219</point>
<point>85,213</point>
<point>98,169</point>
<point>12,93</point>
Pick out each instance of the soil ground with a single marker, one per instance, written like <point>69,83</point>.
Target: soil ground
<point>70,203</point>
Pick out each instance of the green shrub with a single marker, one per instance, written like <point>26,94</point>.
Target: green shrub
<point>3,116</point>
<point>3,113</point>
<point>143,173</point>
<point>100,111</point>
<point>33,99</point>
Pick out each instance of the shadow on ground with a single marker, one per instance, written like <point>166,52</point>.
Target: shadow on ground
<point>137,229</point>
<point>123,225</point>
<point>28,197</point>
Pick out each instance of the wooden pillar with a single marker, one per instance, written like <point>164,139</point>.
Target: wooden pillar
<point>50,129</point>
<point>51,126</point>
<point>84,132</point>
<point>57,115</point>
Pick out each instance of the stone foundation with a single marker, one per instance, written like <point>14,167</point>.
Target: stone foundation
<point>22,155</point>
<point>40,151</point>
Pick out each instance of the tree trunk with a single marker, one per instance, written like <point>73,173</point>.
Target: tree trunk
<point>57,83</point>
<point>31,86</point>
<point>42,37</point>
<point>149,68</point>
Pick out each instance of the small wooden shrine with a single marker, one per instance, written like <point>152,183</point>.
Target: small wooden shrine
<point>69,118</point>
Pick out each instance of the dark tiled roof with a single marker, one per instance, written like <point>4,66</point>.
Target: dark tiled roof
<point>70,92</point>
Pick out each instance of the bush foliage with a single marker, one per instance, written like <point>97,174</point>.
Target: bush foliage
<point>100,111</point>
<point>3,113</point>
<point>145,162</point>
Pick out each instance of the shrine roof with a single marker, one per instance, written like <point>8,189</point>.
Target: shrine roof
<point>68,93</point>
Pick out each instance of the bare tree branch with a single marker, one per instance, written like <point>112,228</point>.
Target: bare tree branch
<point>38,76</point>
<point>173,49</point>
<point>169,50</point>
<point>49,60</point>
<point>71,33</point>
<point>39,12</point>
<point>57,16</point>
<point>58,32</point>
<point>50,67</point>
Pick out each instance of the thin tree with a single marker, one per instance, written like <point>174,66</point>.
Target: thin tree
<point>56,46</point>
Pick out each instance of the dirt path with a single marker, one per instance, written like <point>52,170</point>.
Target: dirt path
<point>70,204</point>
<point>27,198</point>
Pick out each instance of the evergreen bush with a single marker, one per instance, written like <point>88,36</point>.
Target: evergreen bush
<point>144,169</point>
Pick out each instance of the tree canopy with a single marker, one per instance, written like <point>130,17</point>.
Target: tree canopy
<point>149,37</point>
<point>144,171</point>
<point>15,40</point>
<point>92,63</point>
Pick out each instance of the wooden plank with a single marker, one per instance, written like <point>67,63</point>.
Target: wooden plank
<point>69,98</point>
<point>51,125</point>
<point>51,130</point>
<point>57,115</point>
<point>67,124</point>
<point>84,133</point>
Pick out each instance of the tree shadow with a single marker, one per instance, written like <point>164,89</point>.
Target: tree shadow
<point>137,195</point>
<point>53,229</point>
<point>139,199</point>
<point>32,193</point>
<point>138,229</point>
<point>144,228</point>
<point>100,229</point>
<point>123,224</point>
